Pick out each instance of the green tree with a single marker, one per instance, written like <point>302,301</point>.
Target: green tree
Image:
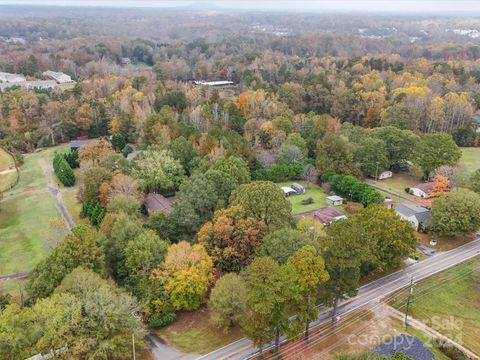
<point>335,155</point>
<point>455,213</point>
<point>107,322</point>
<point>372,157</point>
<point>344,250</point>
<point>183,151</point>
<point>290,154</point>
<point>118,141</point>
<point>126,204</point>
<point>310,270</point>
<point>92,179</point>
<point>142,255</point>
<point>282,243</point>
<point>271,289</point>
<point>297,140</point>
<point>81,247</point>
<point>157,170</point>
<point>390,238</point>
<point>400,144</point>
<point>185,275</point>
<point>435,150</point>
<point>233,166</point>
<point>473,181</point>
<point>265,201</point>
<point>227,301</point>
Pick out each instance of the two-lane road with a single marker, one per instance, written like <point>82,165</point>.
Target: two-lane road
<point>244,349</point>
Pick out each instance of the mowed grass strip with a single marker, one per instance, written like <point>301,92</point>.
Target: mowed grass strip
<point>8,174</point>
<point>194,334</point>
<point>470,159</point>
<point>449,302</point>
<point>312,191</point>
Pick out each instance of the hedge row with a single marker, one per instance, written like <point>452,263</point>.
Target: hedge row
<point>279,172</point>
<point>94,211</point>
<point>72,158</point>
<point>63,170</point>
<point>353,189</point>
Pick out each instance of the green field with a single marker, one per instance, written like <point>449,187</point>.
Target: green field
<point>25,215</point>
<point>313,191</point>
<point>449,302</point>
<point>8,173</point>
<point>470,159</point>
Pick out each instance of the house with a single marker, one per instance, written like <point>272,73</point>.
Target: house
<point>406,344</point>
<point>298,188</point>
<point>77,144</point>
<point>59,77</point>
<point>423,190</point>
<point>415,215</point>
<point>30,85</point>
<point>11,78</point>
<point>325,215</point>
<point>126,61</point>
<point>334,200</point>
<point>288,191</point>
<point>154,202</point>
<point>385,175</point>
<point>219,84</point>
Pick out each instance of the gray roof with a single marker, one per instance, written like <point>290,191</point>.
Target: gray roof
<point>335,198</point>
<point>75,144</point>
<point>407,210</point>
<point>406,344</point>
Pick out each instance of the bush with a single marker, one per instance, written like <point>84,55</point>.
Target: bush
<point>93,210</point>
<point>353,189</point>
<point>118,142</point>
<point>160,320</point>
<point>307,201</point>
<point>71,158</point>
<point>279,172</point>
<point>407,190</point>
<point>63,171</point>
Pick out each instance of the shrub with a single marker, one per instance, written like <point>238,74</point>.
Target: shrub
<point>307,201</point>
<point>353,189</point>
<point>93,210</point>
<point>63,171</point>
<point>160,320</point>
<point>71,158</point>
<point>118,142</point>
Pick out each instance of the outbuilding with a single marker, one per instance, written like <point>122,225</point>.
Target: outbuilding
<point>156,202</point>
<point>334,200</point>
<point>325,215</point>
<point>287,190</point>
<point>385,175</point>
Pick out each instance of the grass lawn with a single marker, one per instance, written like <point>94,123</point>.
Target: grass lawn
<point>397,184</point>
<point>449,303</point>
<point>313,191</point>
<point>7,170</point>
<point>25,215</point>
<point>73,206</point>
<point>470,159</point>
<point>443,244</point>
<point>193,333</point>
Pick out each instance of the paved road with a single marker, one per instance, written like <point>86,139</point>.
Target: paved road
<point>162,351</point>
<point>18,275</point>
<point>244,349</point>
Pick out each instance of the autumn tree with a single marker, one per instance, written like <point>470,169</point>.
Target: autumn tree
<point>231,238</point>
<point>93,153</point>
<point>335,155</point>
<point>310,271</point>
<point>124,185</point>
<point>263,200</point>
<point>390,238</point>
<point>185,275</point>
<point>441,185</point>
<point>227,301</point>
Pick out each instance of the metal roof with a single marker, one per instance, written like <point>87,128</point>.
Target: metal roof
<point>407,210</point>
<point>406,344</point>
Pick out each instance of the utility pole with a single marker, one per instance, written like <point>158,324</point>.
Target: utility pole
<point>133,345</point>
<point>410,292</point>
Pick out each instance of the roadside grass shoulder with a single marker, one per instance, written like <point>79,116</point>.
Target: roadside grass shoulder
<point>192,333</point>
<point>449,301</point>
<point>470,159</point>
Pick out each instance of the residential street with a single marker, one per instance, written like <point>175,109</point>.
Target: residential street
<point>243,348</point>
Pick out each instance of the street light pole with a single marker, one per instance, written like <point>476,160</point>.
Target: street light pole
<point>410,291</point>
<point>133,345</point>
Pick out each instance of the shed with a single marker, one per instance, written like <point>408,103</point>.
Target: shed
<point>325,215</point>
<point>385,175</point>
<point>406,344</point>
<point>156,202</point>
<point>334,200</point>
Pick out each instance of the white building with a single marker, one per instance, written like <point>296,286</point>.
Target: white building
<point>30,85</point>
<point>213,83</point>
<point>59,77</point>
<point>385,175</point>
<point>334,200</point>
<point>9,78</point>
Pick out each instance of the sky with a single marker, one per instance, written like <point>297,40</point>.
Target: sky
<point>412,6</point>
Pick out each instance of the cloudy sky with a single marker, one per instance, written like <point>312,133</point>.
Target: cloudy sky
<point>416,6</point>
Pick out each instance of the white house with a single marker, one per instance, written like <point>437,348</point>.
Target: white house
<point>8,78</point>
<point>30,85</point>
<point>385,175</point>
<point>334,200</point>
<point>59,77</point>
<point>415,215</point>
